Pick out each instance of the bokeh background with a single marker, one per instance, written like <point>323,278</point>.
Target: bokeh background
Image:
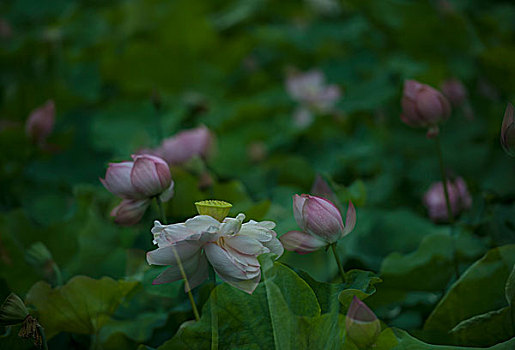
<point>224,64</point>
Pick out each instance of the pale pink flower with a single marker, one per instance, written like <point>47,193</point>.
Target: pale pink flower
<point>320,222</point>
<point>41,123</point>
<point>311,90</point>
<point>231,247</point>
<point>459,198</point>
<point>137,182</point>
<point>185,145</point>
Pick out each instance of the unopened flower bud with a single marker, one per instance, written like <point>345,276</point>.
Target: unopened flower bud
<point>12,311</point>
<point>321,224</point>
<point>41,122</point>
<point>361,324</point>
<point>508,131</point>
<point>214,208</point>
<point>422,105</point>
<point>137,183</point>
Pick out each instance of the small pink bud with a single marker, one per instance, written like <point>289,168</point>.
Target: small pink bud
<point>508,131</point>
<point>459,198</point>
<point>455,91</point>
<point>129,211</point>
<point>361,324</point>
<point>422,105</point>
<point>41,122</point>
<point>187,144</point>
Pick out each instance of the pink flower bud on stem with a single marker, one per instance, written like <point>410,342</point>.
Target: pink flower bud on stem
<point>447,202</point>
<point>423,106</point>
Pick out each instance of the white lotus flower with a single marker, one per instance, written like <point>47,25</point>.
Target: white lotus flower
<point>231,247</point>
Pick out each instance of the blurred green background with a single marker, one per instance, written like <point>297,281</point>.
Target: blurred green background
<point>224,64</point>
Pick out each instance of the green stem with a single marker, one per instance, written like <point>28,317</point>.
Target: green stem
<point>444,179</point>
<point>338,262</point>
<point>212,276</point>
<point>179,263</point>
<point>447,203</point>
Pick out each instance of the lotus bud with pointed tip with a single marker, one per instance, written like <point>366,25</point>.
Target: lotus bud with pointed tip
<point>320,222</point>
<point>214,208</point>
<point>423,106</point>
<point>12,311</point>
<point>508,131</point>
<point>361,324</point>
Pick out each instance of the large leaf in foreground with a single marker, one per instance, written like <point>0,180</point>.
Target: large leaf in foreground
<point>480,290</point>
<point>282,313</point>
<point>407,342</point>
<point>359,283</point>
<point>82,306</point>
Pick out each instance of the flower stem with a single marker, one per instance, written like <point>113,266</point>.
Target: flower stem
<point>58,275</point>
<point>338,262</point>
<point>444,179</point>
<point>212,276</point>
<point>447,203</point>
<point>179,263</point>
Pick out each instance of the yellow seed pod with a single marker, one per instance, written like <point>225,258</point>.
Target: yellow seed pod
<point>215,208</point>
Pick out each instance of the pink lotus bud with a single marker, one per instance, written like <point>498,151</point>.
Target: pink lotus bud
<point>455,91</point>
<point>361,324</point>
<point>422,105</point>
<point>321,224</point>
<point>322,218</point>
<point>459,198</point>
<point>137,183</point>
<point>508,131</point>
<point>185,145</point>
<point>41,122</point>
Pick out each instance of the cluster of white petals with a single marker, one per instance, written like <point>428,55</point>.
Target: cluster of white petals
<point>231,247</point>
